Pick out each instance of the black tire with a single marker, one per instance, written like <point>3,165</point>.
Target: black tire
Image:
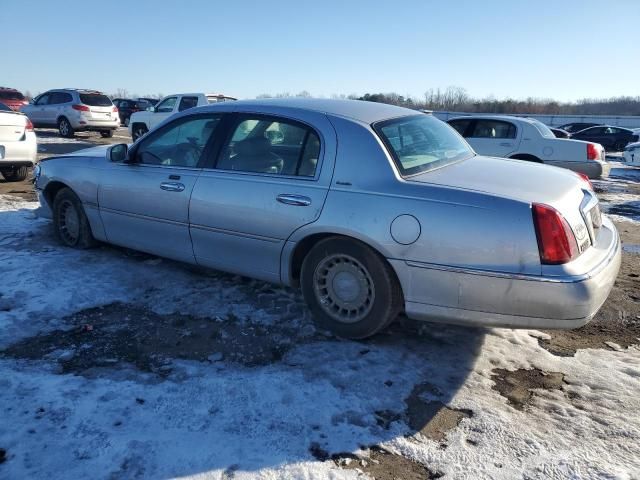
<point>106,133</point>
<point>72,232</point>
<point>378,297</point>
<point>138,130</point>
<point>16,174</point>
<point>65,129</point>
<point>619,146</point>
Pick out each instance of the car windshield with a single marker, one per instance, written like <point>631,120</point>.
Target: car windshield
<point>422,142</point>
<point>95,99</point>
<point>543,129</point>
<point>11,95</point>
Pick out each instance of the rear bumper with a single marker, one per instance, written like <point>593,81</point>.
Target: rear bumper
<point>591,168</point>
<point>473,297</point>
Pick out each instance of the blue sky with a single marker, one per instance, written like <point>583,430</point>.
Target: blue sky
<point>566,50</point>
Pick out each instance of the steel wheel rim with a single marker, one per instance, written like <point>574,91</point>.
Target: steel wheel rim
<point>63,127</point>
<point>344,288</point>
<point>69,222</point>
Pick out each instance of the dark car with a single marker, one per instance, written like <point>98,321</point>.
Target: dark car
<point>611,138</point>
<point>560,133</point>
<point>127,106</point>
<point>12,98</point>
<point>152,101</point>
<point>576,127</point>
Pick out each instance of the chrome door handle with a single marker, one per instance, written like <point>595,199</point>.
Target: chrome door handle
<point>290,199</point>
<point>172,186</point>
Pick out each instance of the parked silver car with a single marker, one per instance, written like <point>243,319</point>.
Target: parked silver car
<point>73,110</point>
<point>371,209</point>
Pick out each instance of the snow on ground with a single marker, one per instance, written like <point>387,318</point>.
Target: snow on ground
<point>222,420</point>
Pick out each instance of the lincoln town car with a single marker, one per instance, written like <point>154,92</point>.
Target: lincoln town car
<point>371,210</point>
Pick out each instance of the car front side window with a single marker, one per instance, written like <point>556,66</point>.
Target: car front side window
<point>180,144</point>
<point>43,99</point>
<point>267,145</point>
<point>166,105</point>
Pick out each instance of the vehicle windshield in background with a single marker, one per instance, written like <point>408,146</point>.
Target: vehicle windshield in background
<point>95,100</point>
<point>543,129</point>
<point>422,142</point>
<point>10,95</point>
<point>4,108</point>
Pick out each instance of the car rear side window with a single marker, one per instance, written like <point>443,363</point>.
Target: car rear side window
<point>187,102</point>
<point>493,129</point>
<point>10,95</point>
<point>460,125</point>
<point>57,98</point>
<point>95,100</point>
<point>421,142</point>
<point>269,145</point>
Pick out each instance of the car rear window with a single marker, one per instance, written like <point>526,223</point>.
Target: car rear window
<point>543,129</point>
<point>11,95</point>
<point>421,142</point>
<point>95,100</point>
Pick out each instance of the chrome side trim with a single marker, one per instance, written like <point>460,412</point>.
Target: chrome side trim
<point>143,217</point>
<point>236,234</point>
<point>526,277</point>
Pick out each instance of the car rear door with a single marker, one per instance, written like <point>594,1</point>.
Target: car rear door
<point>495,138</point>
<point>271,177</point>
<point>145,204</point>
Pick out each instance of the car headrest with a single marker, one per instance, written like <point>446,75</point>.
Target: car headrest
<point>254,146</point>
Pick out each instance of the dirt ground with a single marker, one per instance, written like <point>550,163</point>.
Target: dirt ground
<point>99,338</point>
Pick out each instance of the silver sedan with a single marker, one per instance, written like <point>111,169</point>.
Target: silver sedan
<point>371,209</point>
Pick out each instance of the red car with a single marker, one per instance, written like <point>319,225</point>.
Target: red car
<point>12,98</point>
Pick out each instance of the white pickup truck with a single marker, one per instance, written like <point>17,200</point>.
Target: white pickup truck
<point>528,139</point>
<point>141,122</point>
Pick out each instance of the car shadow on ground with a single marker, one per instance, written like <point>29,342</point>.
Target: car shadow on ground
<point>235,392</point>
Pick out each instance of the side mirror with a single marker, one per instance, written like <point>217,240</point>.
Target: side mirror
<point>119,153</point>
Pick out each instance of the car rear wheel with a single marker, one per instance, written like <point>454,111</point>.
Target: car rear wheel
<point>138,131</point>
<point>64,128</point>
<point>106,133</point>
<point>349,288</point>
<point>619,146</point>
<point>16,174</point>
<point>70,222</point>
<point>126,122</point>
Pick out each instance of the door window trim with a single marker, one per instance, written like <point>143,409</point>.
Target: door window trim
<point>234,119</point>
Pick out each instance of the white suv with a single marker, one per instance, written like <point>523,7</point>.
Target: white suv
<point>72,110</point>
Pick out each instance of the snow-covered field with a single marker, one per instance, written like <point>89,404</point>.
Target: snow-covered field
<point>223,419</point>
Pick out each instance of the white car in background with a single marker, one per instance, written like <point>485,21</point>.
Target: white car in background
<point>73,110</point>
<point>18,148</point>
<point>528,139</point>
<point>141,122</point>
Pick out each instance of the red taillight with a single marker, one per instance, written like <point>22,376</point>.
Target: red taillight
<point>586,180</point>
<point>593,152</point>
<point>82,108</point>
<point>115,109</point>
<point>556,242</point>
<point>29,126</point>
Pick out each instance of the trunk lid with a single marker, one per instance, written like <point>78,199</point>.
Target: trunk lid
<point>528,182</point>
<point>12,126</point>
<point>100,106</point>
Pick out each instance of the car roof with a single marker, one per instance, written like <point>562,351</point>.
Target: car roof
<point>9,89</point>
<point>496,117</point>
<point>79,90</point>
<point>360,110</point>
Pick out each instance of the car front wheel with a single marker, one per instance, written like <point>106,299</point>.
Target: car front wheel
<point>106,133</point>
<point>138,131</point>
<point>70,222</point>
<point>349,288</point>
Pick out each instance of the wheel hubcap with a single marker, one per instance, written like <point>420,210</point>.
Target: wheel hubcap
<point>69,222</point>
<point>63,127</point>
<point>344,288</point>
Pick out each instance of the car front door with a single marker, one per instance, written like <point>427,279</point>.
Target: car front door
<point>496,138</point>
<point>271,177</point>
<point>162,111</point>
<point>144,204</point>
<point>35,112</point>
